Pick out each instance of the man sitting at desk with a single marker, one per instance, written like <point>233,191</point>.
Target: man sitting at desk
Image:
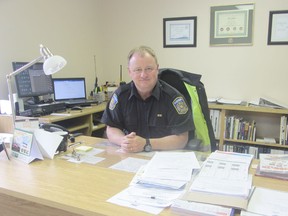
<point>147,114</point>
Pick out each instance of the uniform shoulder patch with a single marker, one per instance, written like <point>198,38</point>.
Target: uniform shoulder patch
<point>180,105</point>
<point>113,102</point>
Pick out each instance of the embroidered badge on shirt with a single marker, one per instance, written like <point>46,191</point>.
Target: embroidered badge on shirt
<point>113,102</point>
<point>180,105</point>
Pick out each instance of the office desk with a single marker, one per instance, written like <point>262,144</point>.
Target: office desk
<point>58,187</point>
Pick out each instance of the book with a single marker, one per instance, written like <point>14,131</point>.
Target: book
<point>218,184</point>
<point>273,166</point>
<point>270,175</point>
<point>215,120</point>
<point>283,132</point>
<point>274,163</point>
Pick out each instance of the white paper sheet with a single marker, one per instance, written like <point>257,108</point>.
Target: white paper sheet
<point>48,142</point>
<point>170,169</point>
<point>268,202</point>
<point>225,173</point>
<point>130,164</point>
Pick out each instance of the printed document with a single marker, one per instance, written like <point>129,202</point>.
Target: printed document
<point>158,183</point>
<point>170,169</point>
<point>225,173</point>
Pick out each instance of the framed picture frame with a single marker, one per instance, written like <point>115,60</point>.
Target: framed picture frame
<point>278,28</point>
<point>231,25</point>
<point>180,32</point>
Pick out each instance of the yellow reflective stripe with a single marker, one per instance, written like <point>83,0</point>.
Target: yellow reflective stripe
<point>198,117</point>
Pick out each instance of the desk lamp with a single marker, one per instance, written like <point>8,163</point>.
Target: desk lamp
<point>52,64</point>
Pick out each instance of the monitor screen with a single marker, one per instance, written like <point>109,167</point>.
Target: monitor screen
<point>32,81</point>
<point>69,88</point>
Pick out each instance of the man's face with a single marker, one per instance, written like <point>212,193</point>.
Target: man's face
<point>143,70</point>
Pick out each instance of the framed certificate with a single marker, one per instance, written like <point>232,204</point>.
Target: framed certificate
<point>231,25</point>
<point>278,28</point>
<point>180,32</point>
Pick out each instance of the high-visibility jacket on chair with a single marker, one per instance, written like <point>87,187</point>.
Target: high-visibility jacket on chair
<point>193,90</point>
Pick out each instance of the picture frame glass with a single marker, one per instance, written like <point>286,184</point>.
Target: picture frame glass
<point>179,32</point>
<point>278,28</point>
<point>231,24</point>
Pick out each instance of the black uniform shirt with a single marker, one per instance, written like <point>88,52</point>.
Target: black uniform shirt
<point>164,113</point>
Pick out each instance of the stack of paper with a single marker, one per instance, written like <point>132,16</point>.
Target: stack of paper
<point>225,101</point>
<point>273,165</point>
<point>169,170</point>
<point>225,175</point>
<point>157,184</point>
<point>184,207</point>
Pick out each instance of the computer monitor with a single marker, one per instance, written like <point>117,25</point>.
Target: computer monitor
<point>32,82</point>
<point>69,88</point>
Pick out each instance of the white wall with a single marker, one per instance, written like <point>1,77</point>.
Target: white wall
<point>80,29</point>
<point>67,27</point>
<point>237,72</point>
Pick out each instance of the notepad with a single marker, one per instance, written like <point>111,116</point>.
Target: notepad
<point>84,148</point>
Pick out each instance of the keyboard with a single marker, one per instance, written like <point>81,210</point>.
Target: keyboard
<point>80,102</point>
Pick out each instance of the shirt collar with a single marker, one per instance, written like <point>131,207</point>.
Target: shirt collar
<point>155,92</point>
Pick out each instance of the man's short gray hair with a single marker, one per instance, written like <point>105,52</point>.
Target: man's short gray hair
<point>142,50</point>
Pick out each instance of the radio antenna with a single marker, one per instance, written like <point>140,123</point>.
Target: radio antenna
<point>121,79</point>
<point>120,73</point>
<point>96,78</point>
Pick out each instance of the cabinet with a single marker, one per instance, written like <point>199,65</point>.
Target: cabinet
<point>86,121</point>
<point>267,122</point>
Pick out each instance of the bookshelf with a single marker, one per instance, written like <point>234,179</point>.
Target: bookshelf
<point>267,121</point>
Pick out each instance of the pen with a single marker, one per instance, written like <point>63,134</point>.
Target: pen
<point>76,143</point>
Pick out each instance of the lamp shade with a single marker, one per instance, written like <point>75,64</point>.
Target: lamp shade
<point>53,64</point>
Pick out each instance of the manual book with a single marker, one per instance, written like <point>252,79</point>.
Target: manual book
<point>273,165</point>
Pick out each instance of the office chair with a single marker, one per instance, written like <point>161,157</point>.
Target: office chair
<point>189,84</point>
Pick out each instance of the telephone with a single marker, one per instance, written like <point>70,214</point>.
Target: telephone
<point>54,128</point>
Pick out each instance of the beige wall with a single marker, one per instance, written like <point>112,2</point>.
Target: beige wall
<point>78,30</point>
<point>238,72</point>
<point>67,27</point>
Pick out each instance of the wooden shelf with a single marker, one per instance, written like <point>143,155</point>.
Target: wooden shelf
<point>78,121</point>
<point>248,108</point>
<point>98,127</point>
<point>275,145</point>
<point>267,124</point>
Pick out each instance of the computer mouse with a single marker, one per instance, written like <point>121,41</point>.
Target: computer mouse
<point>76,108</point>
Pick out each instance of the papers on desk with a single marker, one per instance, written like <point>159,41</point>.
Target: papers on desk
<point>80,156</point>
<point>129,164</point>
<point>184,207</point>
<point>268,202</point>
<point>170,169</point>
<point>157,184</point>
<point>225,175</point>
